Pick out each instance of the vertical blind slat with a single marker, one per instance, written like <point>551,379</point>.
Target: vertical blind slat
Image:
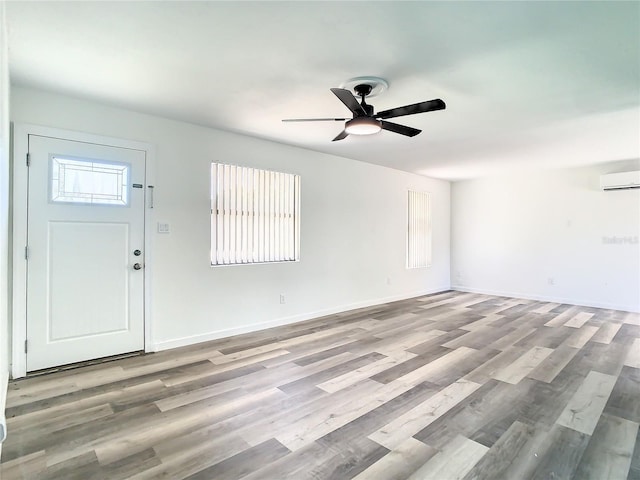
<point>269,217</point>
<point>239,214</point>
<point>227,216</point>
<point>245,215</point>
<point>220,213</point>
<point>261,215</point>
<point>287,193</point>
<point>276,216</point>
<point>249,216</point>
<point>233,196</point>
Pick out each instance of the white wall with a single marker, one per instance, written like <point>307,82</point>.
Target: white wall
<point>512,234</point>
<point>4,210</point>
<point>352,229</point>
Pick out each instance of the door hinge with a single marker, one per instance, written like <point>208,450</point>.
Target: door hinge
<point>26,252</point>
<point>26,343</point>
<point>28,159</point>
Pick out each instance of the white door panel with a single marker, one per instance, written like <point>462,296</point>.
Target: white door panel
<point>85,220</point>
<point>73,263</point>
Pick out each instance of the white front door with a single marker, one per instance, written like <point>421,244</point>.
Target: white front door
<point>85,275</point>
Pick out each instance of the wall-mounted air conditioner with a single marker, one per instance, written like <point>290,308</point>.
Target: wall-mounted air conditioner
<point>619,181</point>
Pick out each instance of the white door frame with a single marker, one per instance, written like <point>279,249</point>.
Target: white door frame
<point>19,212</point>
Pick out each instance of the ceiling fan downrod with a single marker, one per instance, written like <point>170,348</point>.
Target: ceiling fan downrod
<point>362,91</point>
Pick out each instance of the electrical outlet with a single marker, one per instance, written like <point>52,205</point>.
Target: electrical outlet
<point>388,280</point>
<point>551,281</point>
<point>282,299</point>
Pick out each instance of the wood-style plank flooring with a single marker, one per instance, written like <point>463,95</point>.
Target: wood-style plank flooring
<point>446,386</point>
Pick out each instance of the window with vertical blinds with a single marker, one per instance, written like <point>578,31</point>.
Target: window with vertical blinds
<point>419,230</point>
<point>255,215</point>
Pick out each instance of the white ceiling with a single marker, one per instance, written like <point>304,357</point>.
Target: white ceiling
<point>544,84</point>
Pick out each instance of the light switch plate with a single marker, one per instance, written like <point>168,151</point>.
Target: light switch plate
<point>163,227</point>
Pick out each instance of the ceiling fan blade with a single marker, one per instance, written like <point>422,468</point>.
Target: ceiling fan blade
<point>315,119</point>
<point>343,134</point>
<point>422,107</point>
<point>349,100</point>
<point>401,129</point>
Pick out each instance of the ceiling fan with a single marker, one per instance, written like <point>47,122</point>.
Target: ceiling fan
<point>365,121</point>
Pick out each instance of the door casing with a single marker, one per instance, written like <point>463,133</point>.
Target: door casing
<point>19,212</point>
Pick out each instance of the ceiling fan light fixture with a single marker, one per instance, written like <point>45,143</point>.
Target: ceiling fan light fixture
<point>363,126</point>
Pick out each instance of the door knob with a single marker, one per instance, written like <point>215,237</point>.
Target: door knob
<point>137,266</point>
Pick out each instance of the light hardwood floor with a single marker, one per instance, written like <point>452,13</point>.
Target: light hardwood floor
<point>446,386</point>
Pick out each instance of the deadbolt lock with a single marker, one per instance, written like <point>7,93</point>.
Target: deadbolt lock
<point>137,253</point>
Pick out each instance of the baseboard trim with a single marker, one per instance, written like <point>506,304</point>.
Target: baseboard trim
<point>545,298</point>
<point>278,322</point>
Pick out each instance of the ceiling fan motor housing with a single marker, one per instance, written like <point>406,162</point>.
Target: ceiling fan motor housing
<point>363,89</point>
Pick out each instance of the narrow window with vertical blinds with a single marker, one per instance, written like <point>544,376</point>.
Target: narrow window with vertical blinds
<point>255,215</point>
<point>418,230</point>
